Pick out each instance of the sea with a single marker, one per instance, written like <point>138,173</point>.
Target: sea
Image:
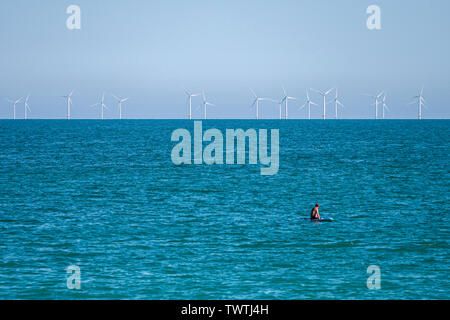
<point>104,198</point>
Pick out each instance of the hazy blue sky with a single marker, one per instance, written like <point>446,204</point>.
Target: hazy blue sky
<point>150,50</point>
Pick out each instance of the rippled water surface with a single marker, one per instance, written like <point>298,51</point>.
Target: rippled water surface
<point>104,195</point>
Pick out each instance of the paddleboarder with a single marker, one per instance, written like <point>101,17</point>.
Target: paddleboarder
<point>315,212</point>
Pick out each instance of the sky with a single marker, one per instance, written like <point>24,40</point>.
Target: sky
<point>150,50</point>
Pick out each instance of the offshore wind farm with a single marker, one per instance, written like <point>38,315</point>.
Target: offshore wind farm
<point>379,102</point>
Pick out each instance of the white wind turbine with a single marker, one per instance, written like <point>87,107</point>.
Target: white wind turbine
<point>119,102</point>
<point>256,102</point>
<point>420,103</point>
<point>377,102</point>
<point>337,103</point>
<point>190,95</point>
<point>14,103</point>
<point>102,105</point>
<point>324,95</point>
<point>206,103</point>
<point>69,103</point>
<point>384,105</point>
<point>26,107</point>
<point>285,99</point>
<point>309,103</point>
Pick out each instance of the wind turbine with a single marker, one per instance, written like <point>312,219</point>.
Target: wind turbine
<point>256,102</point>
<point>377,102</point>
<point>101,104</point>
<point>190,95</point>
<point>69,103</point>
<point>206,103</point>
<point>336,104</point>
<point>120,101</point>
<point>384,105</point>
<point>308,103</point>
<point>26,106</point>
<point>285,99</point>
<point>14,103</point>
<point>324,95</point>
<point>420,102</point>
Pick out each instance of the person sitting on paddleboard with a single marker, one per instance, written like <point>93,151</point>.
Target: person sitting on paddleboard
<point>315,212</point>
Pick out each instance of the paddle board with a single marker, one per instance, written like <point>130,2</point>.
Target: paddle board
<point>320,220</point>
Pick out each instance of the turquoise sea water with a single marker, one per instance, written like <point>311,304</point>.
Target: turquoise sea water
<point>105,196</point>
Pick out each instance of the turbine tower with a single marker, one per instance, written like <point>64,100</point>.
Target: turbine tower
<point>256,102</point>
<point>119,102</point>
<point>279,104</point>
<point>285,99</point>
<point>206,103</point>
<point>26,107</point>
<point>69,103</point>
<point>190,95</point>
<point>102,105</point>
<point>384,105</point>
<point>337,103</point>
<point>324,95</point>
<point>420,103</point>
<point>377,102</point>
<point>309,103</point>
<point>14,103</point>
